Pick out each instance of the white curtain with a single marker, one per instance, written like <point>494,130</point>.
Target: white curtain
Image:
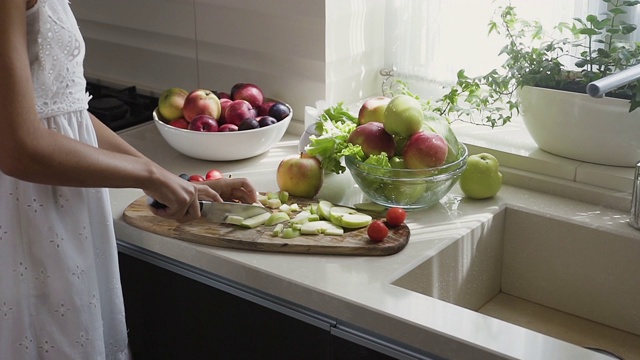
<point>428,41</point>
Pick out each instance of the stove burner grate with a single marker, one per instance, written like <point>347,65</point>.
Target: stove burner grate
<point>120,108</point>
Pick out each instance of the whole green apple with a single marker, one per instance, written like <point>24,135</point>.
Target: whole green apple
<point>170,103</point>
<point>300,175</point>
<point>372,110</point>
<point>403,116</point>
<point>482,178</point>
<point>404,193</point>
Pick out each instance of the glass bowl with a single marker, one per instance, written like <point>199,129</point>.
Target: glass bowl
<point>407,188</point>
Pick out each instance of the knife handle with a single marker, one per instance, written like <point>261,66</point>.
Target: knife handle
<point>158,205</point>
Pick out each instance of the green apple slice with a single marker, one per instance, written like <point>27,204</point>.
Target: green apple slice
<point>277,230</point>
<point>285,208</point>
<point>262,199</point>
<point>290,233</point>
<point>234,219</point>
<point>283,196</point>
<point>273,203</point>
<point>301,217</point>
<point>255,221</point>
<point>337,212</point>
<point>324,209</point>
<point>321,227</point>
<point>276,218</point>
<point>355,220</point>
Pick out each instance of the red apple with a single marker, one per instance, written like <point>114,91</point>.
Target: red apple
<point>222,95</point>
<point>204,123</point>
<point>180,123</point>
<point>300,175</point>
<point>372,110</point>
<point>201,102</point>
<point>227,128</point>
<point>373,139</point>
<point>238,111</point>
<point>224,104</point>
<point>248,92</point>
<point>425,150</point>
<point>263,110</point>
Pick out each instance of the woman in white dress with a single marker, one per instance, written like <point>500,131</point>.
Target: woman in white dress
<point>60,295</point>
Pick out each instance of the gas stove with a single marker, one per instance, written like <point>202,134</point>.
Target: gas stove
<point>120,107</point>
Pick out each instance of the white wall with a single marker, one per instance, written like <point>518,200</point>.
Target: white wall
<point>297,51</point>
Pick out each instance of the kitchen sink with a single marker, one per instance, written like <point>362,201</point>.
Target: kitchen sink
<point>571,280</point>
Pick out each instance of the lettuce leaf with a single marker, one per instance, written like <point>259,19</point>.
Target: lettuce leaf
<point>334,126</point>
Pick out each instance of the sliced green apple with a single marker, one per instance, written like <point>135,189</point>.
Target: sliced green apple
<point>255,221</point>
<point>276,218</point>
<point>301,217</point>
<point>290,233</point>
<point>285,208</point>
<point>278,230</point>
<point>262,199</point>
<point>355,220</point>
<point>273,203</point>
<point>234,219</point>
<point>283,196</point>
<point>337,212</point>
<point>321,227</point>
<point>324,209</point>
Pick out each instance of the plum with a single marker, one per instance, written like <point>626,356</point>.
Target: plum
<point>279,111</point>
<point>249,124</point>
<point>266,121</point>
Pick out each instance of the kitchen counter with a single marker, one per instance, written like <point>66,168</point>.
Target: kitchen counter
<point>359,291</point>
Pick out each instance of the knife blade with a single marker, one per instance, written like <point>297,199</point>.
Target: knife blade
<point>218,211</point>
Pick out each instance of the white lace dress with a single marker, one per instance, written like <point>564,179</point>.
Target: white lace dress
<point>60,295</point>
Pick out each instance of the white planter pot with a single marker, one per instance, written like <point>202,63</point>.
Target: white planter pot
<point>581,127</point>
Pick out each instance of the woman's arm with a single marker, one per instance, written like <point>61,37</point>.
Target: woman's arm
<point>31,152</point>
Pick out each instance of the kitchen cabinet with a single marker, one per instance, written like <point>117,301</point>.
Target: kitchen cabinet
<point>173,316</point>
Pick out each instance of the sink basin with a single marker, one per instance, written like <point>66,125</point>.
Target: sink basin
<point>569,280</point>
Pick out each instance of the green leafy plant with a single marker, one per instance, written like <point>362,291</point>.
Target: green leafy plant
<point>590,51</point>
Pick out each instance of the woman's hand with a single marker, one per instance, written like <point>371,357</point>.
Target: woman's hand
<point>181,197</point>
<point>234,189</point>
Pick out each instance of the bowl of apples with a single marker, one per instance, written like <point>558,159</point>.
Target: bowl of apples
<point>220,126</point>
<point>398,186</point>
<point>397,153</point>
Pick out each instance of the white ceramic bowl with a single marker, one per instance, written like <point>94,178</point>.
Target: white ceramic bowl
<point>223,146</point>
<point>580,127</point>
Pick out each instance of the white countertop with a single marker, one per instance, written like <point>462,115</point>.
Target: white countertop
<point>359,290</point>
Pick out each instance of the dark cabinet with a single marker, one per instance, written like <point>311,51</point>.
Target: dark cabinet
<point>171,316</point>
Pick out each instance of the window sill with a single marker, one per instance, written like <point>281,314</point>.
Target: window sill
<point>523,164</point>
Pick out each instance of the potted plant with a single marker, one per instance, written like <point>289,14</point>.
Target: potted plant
<point>545,79</point>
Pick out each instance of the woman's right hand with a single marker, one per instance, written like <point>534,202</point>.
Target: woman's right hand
<point>180,197</point>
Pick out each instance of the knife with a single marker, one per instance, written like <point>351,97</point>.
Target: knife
<point>218,211</point>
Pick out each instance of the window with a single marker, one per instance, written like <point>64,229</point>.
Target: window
<point>428,41</point>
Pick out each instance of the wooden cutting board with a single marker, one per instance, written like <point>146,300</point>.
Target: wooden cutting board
<point>201,231</point>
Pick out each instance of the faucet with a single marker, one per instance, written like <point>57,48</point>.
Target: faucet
<point>597,89</point>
